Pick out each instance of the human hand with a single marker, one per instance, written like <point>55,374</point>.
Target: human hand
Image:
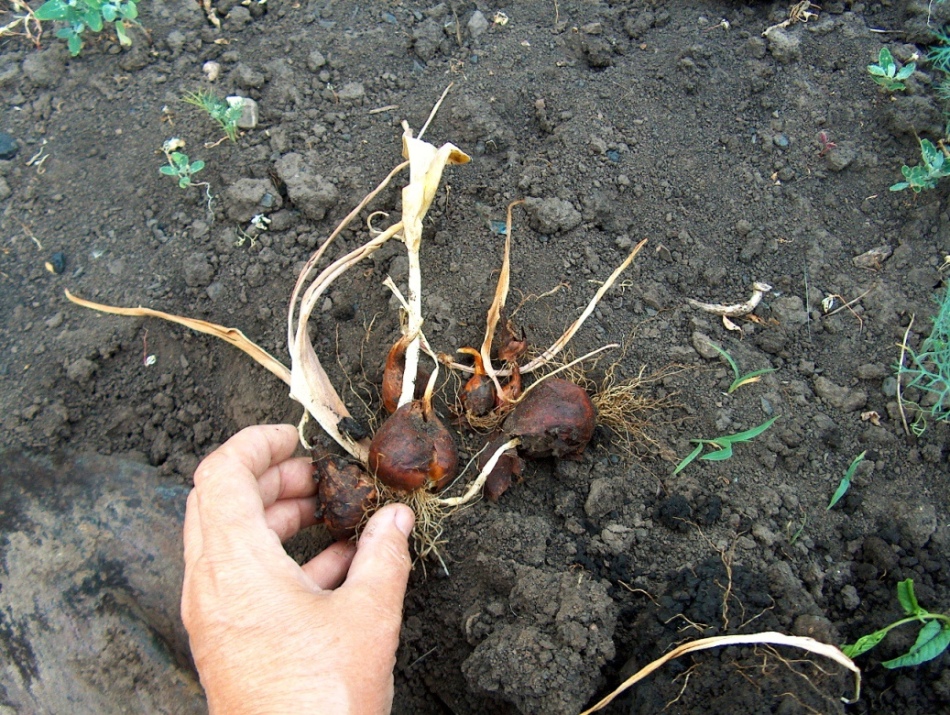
<point>268,635</point>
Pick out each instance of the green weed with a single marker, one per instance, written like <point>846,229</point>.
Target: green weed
<point>846,481</point>
<point>888,74</point>
<point>741,380</point>
<point>932,640</point>
<point>180,166</point>
<point>929,368</point>
<point>927,173</point>
<point>225,112</point>
<point>82,15</point>
<point>723,445</point>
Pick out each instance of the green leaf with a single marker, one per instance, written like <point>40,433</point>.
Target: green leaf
<point>719,455</point>
<point>907,597</point>
<point>886,60</point>
<point>129,11</point>
<point>932,640</point>
<point>728,358</point>
<point>93,20</point>
<point>109,13</point>
<point>197,166</point>
<point>900,186</point>
<point>839,492</point>
<point>928,151</point>
<point>168,170</point>
<point>74,43</point>
<point>689,458</point>
<point>864,643</point>
<point>184,182</point>
<point>749,433</point>
<point>906,71</point>
<point>749,378</point>
<point>877,71</point>
<point>52,10</point>
<point>121,34</point>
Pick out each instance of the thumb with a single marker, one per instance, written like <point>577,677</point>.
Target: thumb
<point>381,566</point>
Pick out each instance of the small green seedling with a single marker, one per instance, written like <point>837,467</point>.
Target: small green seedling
<point>932,640</point>
<point>80,15</point>
<point>226,112</point>
<point>179,165</point>
<point>886,72</point>
<point>723,445</point>
<point>932,167</point>
<point>845,484</point>
<point>741,380</point>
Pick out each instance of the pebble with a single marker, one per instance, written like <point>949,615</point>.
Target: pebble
<point>477,24</point>
<point>549,216</point>
<point>842,398</point>
<point>8,147</point>
<point>704,345</point>
<point>212,70</point>
<point>249,112</point>
<point>58,262</point>
<point>785,47</point>
<point>315,60</point>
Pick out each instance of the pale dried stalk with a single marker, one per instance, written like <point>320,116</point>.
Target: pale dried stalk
<point>546,357</point>
<point>498,303</point>
<point>767,637</point>
<point>425,173</point>
<point>230,335</point>
<point>476,486</point>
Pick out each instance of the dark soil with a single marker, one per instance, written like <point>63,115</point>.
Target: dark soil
<point>626,120</point>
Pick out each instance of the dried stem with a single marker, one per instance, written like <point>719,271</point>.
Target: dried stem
<point>476,486</point>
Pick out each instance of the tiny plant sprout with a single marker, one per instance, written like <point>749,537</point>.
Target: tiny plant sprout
<point>887,74</point>
<point>932,167</point>
<point>260,222</point>
<point>740,379</point>
<point>722,445</point>
<point>180,166</point>
<point>226,113</point>
<point>846,481</point>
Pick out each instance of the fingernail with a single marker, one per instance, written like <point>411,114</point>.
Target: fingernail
<point>404,519</point>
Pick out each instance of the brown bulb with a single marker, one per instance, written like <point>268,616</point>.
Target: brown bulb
<point>344,493</point>
<point>413,450</point>
<point>555,419</point>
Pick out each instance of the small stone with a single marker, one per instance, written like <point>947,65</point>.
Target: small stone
<point>247,78</point>
<point>552,215</point>
<point>841,156</point>
<point>783,46</point>
<point>870,371</point>
<point>249,111</point>
<point>351,92</point>
<point>477,24</point>
<point>237,18</point>
<point>81,370</point>
<point>842,398</point>
<point>789,310</point>
<point>215,290</point>
<point>315,60</point>
<point>244,198</point>
<point>212,70</point>
<point>55,321</point>
<point>311,193</point>
<point>8,147</point>
<point>873,259</point>
<point>175,41</point>
<point>198,271</point>
<point>58,262</point>
<point>5,190</point>
<point>44,68</point>
<point>704,345</point>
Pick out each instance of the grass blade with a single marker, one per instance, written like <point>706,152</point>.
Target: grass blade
<point>689,458</point>
<point>748,434</point>
<point>749,378</point>
<point>864,643</point>
<point>845,485</point>
<point>720,454</point>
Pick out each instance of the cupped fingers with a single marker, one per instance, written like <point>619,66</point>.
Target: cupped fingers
<point>329,567</point>
<point>291,479</point>
<point>288,516</point>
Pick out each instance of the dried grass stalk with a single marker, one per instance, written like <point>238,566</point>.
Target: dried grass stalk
<point>767,637</point>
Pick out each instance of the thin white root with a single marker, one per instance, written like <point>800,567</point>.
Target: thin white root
<point>759,289</point>
<point>476,486</point>
<point>301,426</point>
<point>770,638</point>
